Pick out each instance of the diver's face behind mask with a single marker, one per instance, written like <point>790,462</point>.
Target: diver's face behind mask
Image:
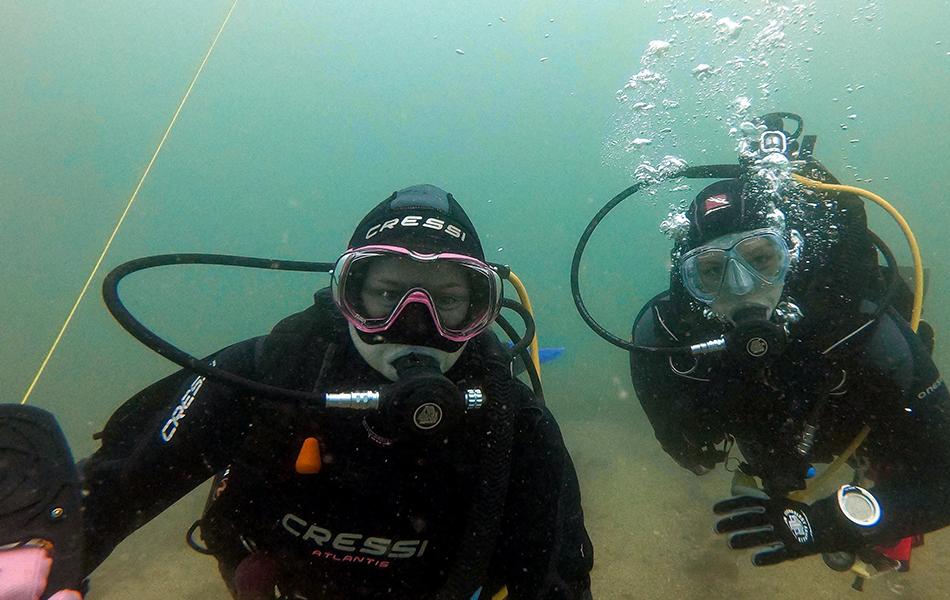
<point>738,271</point>
<point>400,302</point>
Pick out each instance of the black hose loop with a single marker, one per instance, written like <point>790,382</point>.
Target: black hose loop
<point>529,326</point>
<point>110,294</point>
<point>525,357</point>
<point>576,265</point>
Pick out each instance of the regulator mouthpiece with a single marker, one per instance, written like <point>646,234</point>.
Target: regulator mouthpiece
<point>754,336</point>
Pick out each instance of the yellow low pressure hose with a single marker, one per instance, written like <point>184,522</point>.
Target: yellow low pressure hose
<point>841,459</point>
<point>523,296</point>
<point>911,240</point>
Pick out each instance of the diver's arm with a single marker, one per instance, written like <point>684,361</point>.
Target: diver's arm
<point>667,400</point>
<point>158,446</point>
<point>907,406</point>
<point>545,552</point>
<point>909,442</point>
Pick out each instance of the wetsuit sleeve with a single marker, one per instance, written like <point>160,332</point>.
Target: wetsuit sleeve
<point>158,446</point>
<point>670,400</point>
<point>908,411</point>
<point>545,552</point>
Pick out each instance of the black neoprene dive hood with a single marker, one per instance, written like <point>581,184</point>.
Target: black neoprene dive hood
<point>443,225</point>
<point>449,230</point>
<point>830,278</point>
<point>436,224</point>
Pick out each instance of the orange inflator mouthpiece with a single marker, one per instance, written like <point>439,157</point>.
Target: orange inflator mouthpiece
<point>308,459</point>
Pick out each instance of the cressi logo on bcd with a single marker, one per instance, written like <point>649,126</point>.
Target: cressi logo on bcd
<point>427,416</point>
<point>757,347</point>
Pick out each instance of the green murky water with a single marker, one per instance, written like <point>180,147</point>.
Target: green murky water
<point>308,113</point>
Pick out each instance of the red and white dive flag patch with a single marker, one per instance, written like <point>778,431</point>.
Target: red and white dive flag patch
<point>714,203</point>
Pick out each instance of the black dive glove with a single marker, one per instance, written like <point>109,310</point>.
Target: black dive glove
<point>788,529</point>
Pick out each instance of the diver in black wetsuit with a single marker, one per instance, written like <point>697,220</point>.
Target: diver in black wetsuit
<point>756,267</point>
<point>362,504</point>
<point>782,334</point>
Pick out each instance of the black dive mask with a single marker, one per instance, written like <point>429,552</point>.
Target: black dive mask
<point>414,327</point>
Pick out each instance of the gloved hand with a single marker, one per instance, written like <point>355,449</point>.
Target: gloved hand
<point>786,528</point>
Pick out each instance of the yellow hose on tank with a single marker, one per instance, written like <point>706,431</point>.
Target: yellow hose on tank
<point>841,459</point>
<point>523,296</point>
<point>911,240</point>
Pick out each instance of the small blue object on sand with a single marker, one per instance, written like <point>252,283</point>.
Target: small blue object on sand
<point>548,354</point>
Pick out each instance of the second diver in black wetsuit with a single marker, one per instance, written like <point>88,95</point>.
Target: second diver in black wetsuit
<point>781,333</point>
<point>349,504</point>
<point>788,280</point>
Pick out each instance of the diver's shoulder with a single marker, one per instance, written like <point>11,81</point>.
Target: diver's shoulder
<point>536,428</point>
<point>894,344</point>
<point>651,324</point>
<point>321,316</point>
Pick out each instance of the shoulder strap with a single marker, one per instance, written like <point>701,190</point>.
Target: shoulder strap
<point>294,353</point>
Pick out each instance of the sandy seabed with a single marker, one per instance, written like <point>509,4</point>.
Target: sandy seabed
<point>651,523</point>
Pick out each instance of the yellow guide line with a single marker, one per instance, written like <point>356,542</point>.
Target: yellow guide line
<point>128,206</point>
